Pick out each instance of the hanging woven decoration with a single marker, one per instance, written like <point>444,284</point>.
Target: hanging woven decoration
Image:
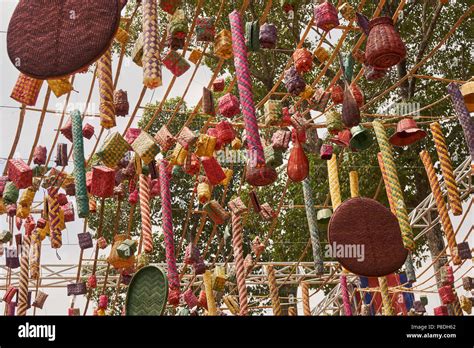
<point>303,60</point>
<point>82,199</point>
<point>205,29</point>
<point>223,44</point>
<point>325,16</point>
<point>273,112</point>
<point>39,155</point>
<point>151,55</point>
<point>145,147</point>
<point>347,11</point>
<point>298,164</point>
<point>170,6</point>
<point>106,90</point>
<point>229,105</point>
<point>195,56</point>
<point>176,63</point>
<point>407,133</point>
<point>113,150</point>
<point>102,181</point>
<point>218,85</point>
<point>26,90</point>
<point>60,87</point>
<point>252,33</point>
<point>384,47</point>
<point>121,105</point>
<point>145,214</point>
<point>294,83</point>
<point>467,91</point>
<point>173,275</point>
<point>23,298</point>
<point>268,36</point>
<point>54,217</point>
<point>350,109</point>
<point>88,131</point>
<point>258,173</point>
<point>178,27</point>
<point>20,173</point>
<point>213,170</point>
<point>137,51</point>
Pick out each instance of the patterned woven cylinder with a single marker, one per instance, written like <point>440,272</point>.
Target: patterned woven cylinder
<point>386,300</point>
<point>409,268</point>
<point>441,206</point>
<point>354,183</point>
<point>334,187</point>
<point>54,210</point>
<point>151,53</point>
<point>145,214</point>
<point>305,295</point>
<point>239,262</point>
<point>394,183</point>
<point>24,276</point>
<point>244,83</point>
<point>274,291</point>
<point>313,227</point>
<point>345,296</point>
<point>82,199</point>
<point>166,213</point>
<point>106,90</point>
<point>35,255</point>
<point>211,302</point>
<point>446,168</point>
<point>463,116</point>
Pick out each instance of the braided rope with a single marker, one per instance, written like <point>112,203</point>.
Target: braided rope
<point>106,90</point>
<point>386,300</point>
<point>24,276</point>
<point>244,84</point>
<point>441,206</point>
<point>446,168</point>
<point>211,302</point>
<point>305,295</point>
<point>173,275</point>
<point>292,311</point>
<point>145,214</point>
<point>394,183</point>
<point>237,228</point>
<point>313,227</point>
<point>273,291</point>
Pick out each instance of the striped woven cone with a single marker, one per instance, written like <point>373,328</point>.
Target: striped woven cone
<point>211,302</point>
<point>239,262</point>
<point>313,227</point>
<point>441,206</point>
<point>151,45</point>
<point>463,116</point>
<point>446,168</point>
<point>145,214</point>
<point>106,90</point>
<point>345,296</point>
<point>244,83</point>
<point>54,220</point>
<point>35,255</point>
<point>24,277</point>
<point>82,199</point>
<point>166,213</point>
<point>334,188</point>
<point>409,268</point>
<point>394,183</point>
<point>273,291</point>
<point>386,300</point>
<point>305,295</point>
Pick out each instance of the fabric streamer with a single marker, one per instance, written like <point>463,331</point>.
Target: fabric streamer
<point>313,227</point>
<point>410,269</point>
<point>239,262</point>
<point>463,116</point>
<point>82,199</point>
<point>446,168</point>
<point>151,54</point>
<point>244,83</point>
<point>305,295</point>
<point>24,277</point>
<point>54,219</point>
<point>273,291</point>
<point>145,214</point>
<point>211,302</point>
<point>106,90</point>
<point>35,255</point>
<point>394,183</point>
<point>386,300</point>
<point>166,213</point>
<point>441,205</point>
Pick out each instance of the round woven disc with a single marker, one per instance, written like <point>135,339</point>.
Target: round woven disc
<point>365,222</point>
<point>55,38</point>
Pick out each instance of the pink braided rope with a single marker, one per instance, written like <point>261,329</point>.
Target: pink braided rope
<point>145,213</point>
<point>239,262</point>
<point>244,83</point>
<point>173,276</point>
<point>345,296</point>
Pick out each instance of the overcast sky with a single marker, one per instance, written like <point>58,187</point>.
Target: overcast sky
<point>131,81</point>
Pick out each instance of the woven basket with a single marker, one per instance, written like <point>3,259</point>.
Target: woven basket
<point>147,293</point>
<point>48,44</point>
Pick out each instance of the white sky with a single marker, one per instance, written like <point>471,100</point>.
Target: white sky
<point>131,81</point>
